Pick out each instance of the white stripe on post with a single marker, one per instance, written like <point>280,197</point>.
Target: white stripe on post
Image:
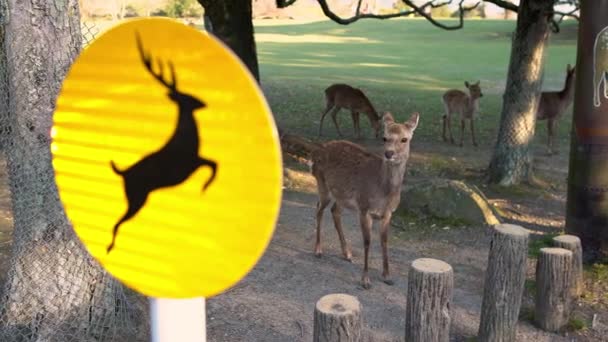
<point>178,320</point>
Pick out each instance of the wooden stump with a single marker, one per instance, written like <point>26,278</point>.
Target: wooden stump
<point>504,283</point>
<point>337,319</point>
<point>553,288</point>
<point>573,244</point>
<point>429,296</point>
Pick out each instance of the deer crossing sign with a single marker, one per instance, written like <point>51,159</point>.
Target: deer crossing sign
<point>167,159</point>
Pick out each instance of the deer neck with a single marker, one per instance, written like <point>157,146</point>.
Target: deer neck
<point>186,131</point>
<point>567,93</point>
<point>392,175</point>
<point>472,104</point>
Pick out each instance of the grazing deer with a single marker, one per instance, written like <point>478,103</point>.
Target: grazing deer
<point>600,66</point>
<point>369,184</point>
<point>553,103</point>
<point>456,101</point>
<point>340,96</point>
<point>175,161</point>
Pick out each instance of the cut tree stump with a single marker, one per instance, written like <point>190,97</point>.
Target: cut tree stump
<point>573,244</point>
<point>429,297</point>
<point>337,319</point>
<point>553,289</point>
<point>504,283</point>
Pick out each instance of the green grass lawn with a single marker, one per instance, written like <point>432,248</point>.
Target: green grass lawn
<point>403,65</point>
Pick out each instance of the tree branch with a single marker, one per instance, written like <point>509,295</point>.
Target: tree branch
<point>504,4</point>
<point>420,10</point>
<point>429,18</point>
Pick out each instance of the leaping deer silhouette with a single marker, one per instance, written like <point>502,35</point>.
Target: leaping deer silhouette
<point>173,163</point>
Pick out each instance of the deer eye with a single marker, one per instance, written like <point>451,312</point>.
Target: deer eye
<point>404,140</point>
<point>384,139</point>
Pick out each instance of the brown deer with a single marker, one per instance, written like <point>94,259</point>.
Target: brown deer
<point>367,183</point>
<point>553,103</point>
<point>175,161</point>
<point>340,96</point>
<point>458,102</point>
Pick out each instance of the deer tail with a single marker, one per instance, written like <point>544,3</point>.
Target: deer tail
<point>116,170</point>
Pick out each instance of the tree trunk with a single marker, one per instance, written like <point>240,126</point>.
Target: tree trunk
<point>54,290</point>
<point>573,244</point>
<point>587,202</point>
<point>512,161</point>
<point>553,299</point>
<point>337,318</point>
<point>504,283</point>
<point>429,297</point>
<point>232,23</point>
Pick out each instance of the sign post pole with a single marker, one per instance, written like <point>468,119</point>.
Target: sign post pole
<point>181,320</point>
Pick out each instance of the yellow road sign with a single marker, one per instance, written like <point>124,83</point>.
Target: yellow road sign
<point>167,159</point>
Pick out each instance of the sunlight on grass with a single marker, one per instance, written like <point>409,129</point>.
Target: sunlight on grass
<point>309,38</point>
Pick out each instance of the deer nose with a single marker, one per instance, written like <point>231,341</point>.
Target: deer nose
<point>389,154</point>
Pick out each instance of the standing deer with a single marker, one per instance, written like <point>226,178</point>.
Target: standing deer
<point>553,103</point>
<point>456,101</point>
<point>600,66</point>
<point>369,184</point>
<point>175,161</point>
<point>340,96</point>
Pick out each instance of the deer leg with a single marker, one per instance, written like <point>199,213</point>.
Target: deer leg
<point>329,105</point>
<point>356,127</point>
<point>213,165</point>
<point>136,201</point>
<point>473,132</point>
<point>445,119</point>
<point>450,130</point>
<point>321,205</point>
<point>336,211</point>
<point>366,228</point>
<point>334,114</point>
<point>462,123</point>
<point>384,228</point>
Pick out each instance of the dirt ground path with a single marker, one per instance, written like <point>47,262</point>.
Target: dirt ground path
<point>275,302</point>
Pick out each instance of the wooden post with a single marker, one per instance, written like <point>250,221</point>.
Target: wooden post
<point>504,283</point>
<point>553,288</point>
<point>337,319</point>
<point>573,244</point>
<point>429,295</point>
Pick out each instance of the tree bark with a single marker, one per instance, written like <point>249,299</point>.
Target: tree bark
<point>54,290</point>
<point>337,319</point>
<point>587,202</point>
<point>232,23</point>
<point>429,297</point>
<point>512,161</point>
<point>573,244</point>
<point>553,301</point>
<point>504,284</point>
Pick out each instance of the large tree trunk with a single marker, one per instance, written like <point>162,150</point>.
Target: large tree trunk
<point>587,203</point>
<point>54,290</point>
<point>512,161</point>
<point>232,23</point>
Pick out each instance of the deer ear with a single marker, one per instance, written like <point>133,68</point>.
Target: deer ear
<point>466,84</point>
<point>478,81</point>
<point>412,123</point>
<point>387,118</point>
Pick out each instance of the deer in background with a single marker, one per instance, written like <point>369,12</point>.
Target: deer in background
<point>458,102</point>
<point>175,161</point>
<point>553,103</point>
<point>338,96</point>
<point>370,184</point>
